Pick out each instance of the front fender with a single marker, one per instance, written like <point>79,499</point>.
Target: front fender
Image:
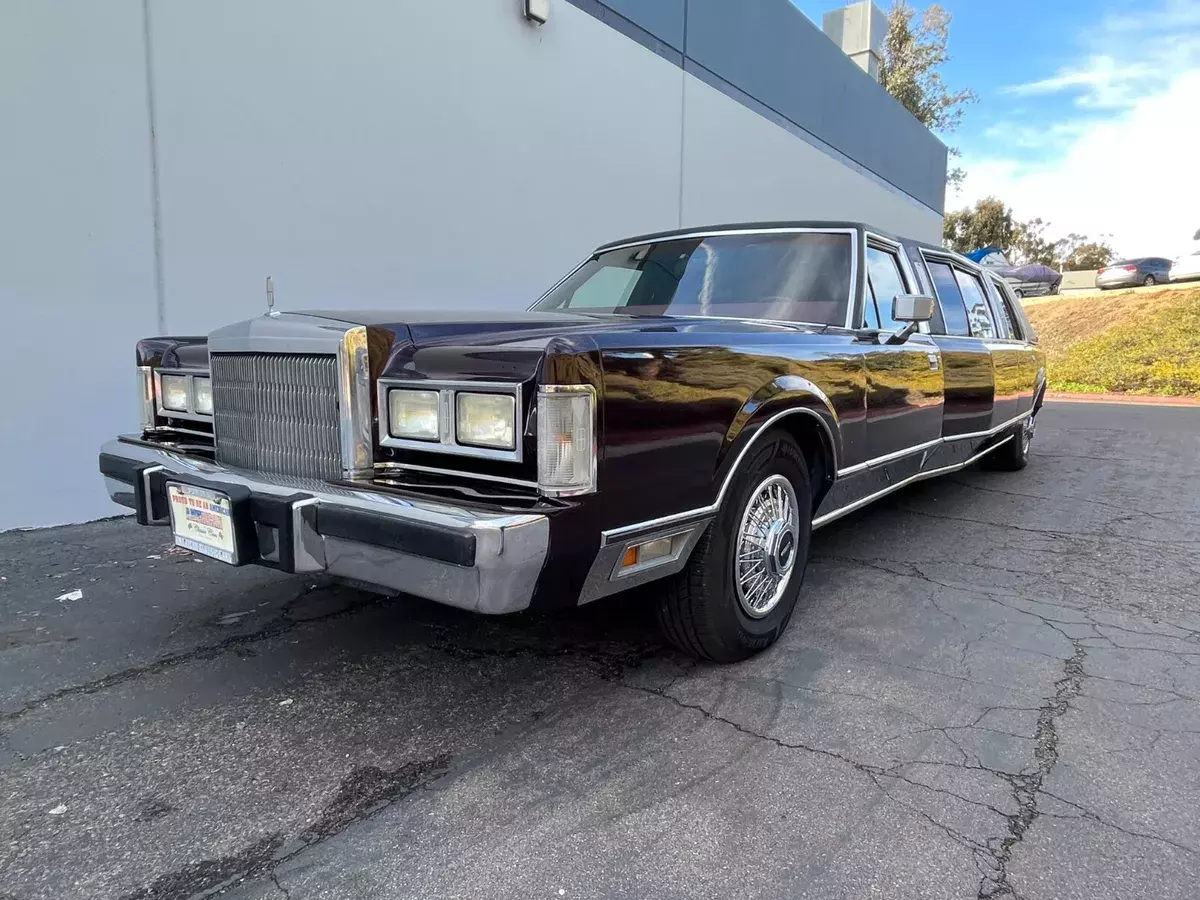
<point>773,403</point>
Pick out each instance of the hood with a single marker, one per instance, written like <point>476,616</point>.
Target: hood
<point>477,344</point>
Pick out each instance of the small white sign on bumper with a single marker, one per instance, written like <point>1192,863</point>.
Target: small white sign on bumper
<point>202,521</point>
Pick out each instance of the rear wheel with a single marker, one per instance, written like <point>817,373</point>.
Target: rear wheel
<point>1149,280</point>
<point>1014,455</point>
<point>739,588</point>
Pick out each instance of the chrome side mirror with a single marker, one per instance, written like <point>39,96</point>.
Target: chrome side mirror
<point>912,308</point>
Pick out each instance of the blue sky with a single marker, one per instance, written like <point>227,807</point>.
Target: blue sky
<point>1088,113</point>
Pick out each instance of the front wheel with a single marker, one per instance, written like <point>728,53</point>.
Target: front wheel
<point>736,594</point>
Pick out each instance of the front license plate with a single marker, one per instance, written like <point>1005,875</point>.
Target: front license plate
<point>202,521</point>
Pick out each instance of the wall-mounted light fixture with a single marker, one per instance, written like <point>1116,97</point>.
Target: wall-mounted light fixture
<point>537,11</point>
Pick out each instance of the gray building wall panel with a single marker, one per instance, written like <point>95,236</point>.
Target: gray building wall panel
<point>663,18</point>
<point>770,50</point>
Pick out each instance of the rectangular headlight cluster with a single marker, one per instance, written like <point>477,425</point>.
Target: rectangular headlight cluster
<point>485,420</point>
<point>481,420</point>
<point>184,393</point>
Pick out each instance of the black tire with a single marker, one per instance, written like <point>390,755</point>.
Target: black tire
<point>1014,455</point>
<point>1149,280</point>
<point>699,612</point>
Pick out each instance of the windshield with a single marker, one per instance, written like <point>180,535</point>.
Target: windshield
<point>794,277</point>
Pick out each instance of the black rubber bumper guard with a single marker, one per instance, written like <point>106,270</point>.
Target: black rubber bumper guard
<point>264,523</point>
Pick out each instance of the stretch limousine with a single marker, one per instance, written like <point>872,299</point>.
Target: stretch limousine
<point>683,407</point>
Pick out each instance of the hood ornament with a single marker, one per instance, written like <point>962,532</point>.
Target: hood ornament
<point>271,311</point>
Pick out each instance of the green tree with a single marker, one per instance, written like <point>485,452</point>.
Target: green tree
<point>988,224</point>
<point>1080,254</point>
<point>1030,244</point>
<point>914,52</point>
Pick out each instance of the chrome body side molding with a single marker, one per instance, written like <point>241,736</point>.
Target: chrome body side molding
<point>919,476</point>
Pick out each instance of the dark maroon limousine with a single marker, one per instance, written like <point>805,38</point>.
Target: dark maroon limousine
<point>684,406</point>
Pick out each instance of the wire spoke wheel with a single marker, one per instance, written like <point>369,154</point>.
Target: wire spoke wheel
<point>765,550</point>
<point>1027,433</point>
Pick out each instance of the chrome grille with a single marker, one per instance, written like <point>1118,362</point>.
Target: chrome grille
<point>277,412</point>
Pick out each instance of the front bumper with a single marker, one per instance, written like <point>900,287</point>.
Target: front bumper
<point>484,562</point>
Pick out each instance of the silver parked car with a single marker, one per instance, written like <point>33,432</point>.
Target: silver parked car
<point>1134,272</point>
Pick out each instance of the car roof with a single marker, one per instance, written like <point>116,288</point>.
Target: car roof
<point>806,224</point>
<point>701,230</point>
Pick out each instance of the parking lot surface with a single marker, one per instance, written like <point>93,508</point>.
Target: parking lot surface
<point>991,689</point>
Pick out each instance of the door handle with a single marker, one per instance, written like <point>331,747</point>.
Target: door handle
<point>934,361</point>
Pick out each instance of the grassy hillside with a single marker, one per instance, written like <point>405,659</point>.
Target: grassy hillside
<point>1136,343</point>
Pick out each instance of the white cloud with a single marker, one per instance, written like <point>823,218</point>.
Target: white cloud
<point>1134,175</point>
<point>1125,57</point>
<point>1128,163</point>
<point>1099,81</point>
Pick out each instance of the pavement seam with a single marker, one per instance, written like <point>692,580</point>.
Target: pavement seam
<point>1026,788</point>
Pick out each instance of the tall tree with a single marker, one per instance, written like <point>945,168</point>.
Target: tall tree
<point>1030,244</point>
<point>1080,254</point>
<point>988,224</point>
<point>913,54</point>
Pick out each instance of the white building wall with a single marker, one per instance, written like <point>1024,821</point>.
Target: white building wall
<point>371,154</point>
<point>76,249</point>
<point>363,153</point>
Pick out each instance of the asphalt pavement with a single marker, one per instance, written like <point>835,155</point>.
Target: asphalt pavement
<point>991,689</point>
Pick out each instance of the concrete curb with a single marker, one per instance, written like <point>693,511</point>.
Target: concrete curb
<point>1130,399</point>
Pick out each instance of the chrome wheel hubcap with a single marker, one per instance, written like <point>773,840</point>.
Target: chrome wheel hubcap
<point>1027,434</point>
<point>768,540</point>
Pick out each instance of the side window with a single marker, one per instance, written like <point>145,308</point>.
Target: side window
<point>883,270</point>
<point>1004,319</point>
<point>1021,329</point>
<point>978,314</point>
<point>954,311</point>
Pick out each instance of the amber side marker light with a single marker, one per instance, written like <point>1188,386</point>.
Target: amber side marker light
<point>646,552</point>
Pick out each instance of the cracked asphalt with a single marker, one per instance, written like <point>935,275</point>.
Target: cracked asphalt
<point>991,689</point>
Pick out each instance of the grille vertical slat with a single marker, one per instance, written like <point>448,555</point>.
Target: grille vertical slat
<point>277,413</point>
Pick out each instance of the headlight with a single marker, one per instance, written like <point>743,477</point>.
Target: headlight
<point>174,392</point>
<point>487,420</point>
<point>202,390</point>
<point>413,414</point>
<point>566,424</point>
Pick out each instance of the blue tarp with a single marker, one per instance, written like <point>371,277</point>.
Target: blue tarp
<point>977,255</point>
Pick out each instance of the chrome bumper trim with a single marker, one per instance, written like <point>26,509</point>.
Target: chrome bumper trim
<point>510,549</point>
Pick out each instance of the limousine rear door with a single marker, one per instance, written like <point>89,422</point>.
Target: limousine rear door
<point>960,331</point>
<point>1015,360</point>
<point>904,381</point>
